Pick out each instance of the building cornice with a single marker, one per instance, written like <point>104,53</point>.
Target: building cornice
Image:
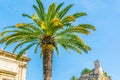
<point>7,72</point>
<point>13,56</point>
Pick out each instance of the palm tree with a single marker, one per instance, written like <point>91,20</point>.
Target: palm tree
<point>48,30</point>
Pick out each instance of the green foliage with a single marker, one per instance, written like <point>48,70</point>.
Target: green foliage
<point>79,14</point>
<point>106,75</point>
<point>73,78</point>
<point>85,71</point>
<point>55,23</point>
<point>63,12</point>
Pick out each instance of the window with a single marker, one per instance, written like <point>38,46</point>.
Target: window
<point>6,78</point>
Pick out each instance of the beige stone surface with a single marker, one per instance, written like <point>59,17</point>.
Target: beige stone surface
<point>12,69</point>
<point>95,74</point>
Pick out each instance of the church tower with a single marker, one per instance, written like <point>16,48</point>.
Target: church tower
<point>98,68</point>
<point>95,74</point>
<point>10,68</point>
<point>97,64</point>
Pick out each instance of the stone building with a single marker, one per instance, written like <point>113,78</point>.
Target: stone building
<point>96,74</point>
<point>10,68</point>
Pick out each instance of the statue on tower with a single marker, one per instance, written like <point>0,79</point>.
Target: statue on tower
<point>97,64</point>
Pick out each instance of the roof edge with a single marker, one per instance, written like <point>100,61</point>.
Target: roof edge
<point>13,56</point>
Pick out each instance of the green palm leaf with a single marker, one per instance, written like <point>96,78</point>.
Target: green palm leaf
<point>41,9</point>
<point>59,7</point>
<point>73,30</point>
<point>51,11</point>
<point>63,12</point>
<point>36,48</point>
<point>87,26</point>
<point>26,15</point>
<point>79,14</point>
<point>57,50</point>
<point>49,28</point>
<point>24,49</point>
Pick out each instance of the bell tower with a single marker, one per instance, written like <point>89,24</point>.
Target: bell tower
<point>97,64</point>
<point>98,68</point>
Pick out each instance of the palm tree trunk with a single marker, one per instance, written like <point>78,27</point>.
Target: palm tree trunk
<point>47,62</point>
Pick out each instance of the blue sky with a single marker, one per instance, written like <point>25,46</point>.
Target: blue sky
<point>103,14</point>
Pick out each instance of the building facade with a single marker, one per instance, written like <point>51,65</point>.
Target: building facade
<point>10,68</point>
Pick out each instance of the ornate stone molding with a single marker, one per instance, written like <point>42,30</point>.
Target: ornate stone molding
<point>13,56</point>
<point>7,72</point>
<point>11,68</point>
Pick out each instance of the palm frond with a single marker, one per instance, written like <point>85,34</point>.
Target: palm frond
<point>65,47</point>
<point>18,33</point>
<point>41,9</point>
<point>37,11</point>
<point>72,40</point>
<point>8,27</point>
<point>68,19</point>
<point>57,50</point>
<point>26,15</point>
<point>63,43</point>
<point>74,48</point>
<point>79,14</point>
<point>87,26</point>
<point>24,49</point>
<point>54,23</point>
<point>51,12</point>
<point>37,46</point>
<point>37,21</point>
<point>63,12</point>
<point>20,44</point>
<point>31,27</point>
<point>59,7</point>
<point>23,29</point>
<point>13,40</point>
<point>4,32</point>
<point>80,30</point>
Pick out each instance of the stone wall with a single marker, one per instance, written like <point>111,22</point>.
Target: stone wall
<point>12,69</point>
<point>95,74</point>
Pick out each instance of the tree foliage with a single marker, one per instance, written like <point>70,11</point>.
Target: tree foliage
<point>53,23</point>
<point>85,71</point>
<point>48,29</point>
<point>73,78</point>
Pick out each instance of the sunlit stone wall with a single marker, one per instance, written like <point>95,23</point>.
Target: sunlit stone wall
<point>12,69</point>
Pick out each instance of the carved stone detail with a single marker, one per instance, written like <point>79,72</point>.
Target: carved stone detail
<point>12,69</point>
